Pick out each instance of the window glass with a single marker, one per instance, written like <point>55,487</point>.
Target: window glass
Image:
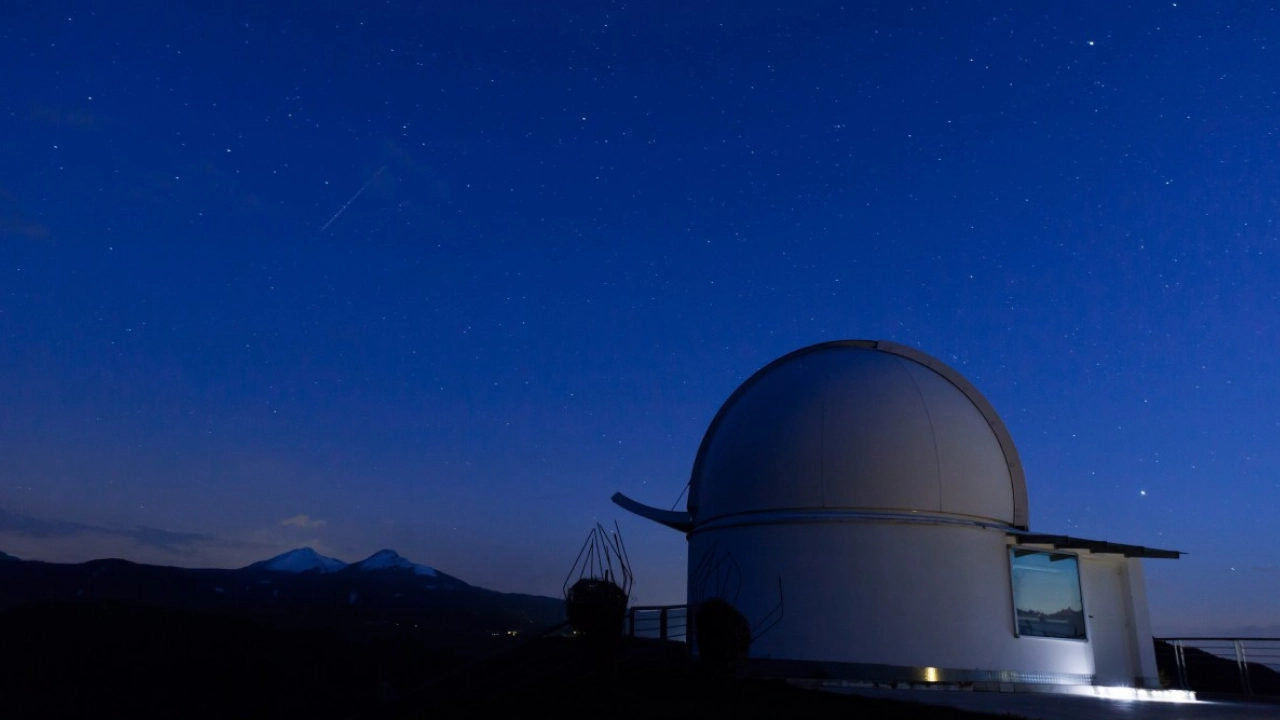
<point>1046,594</point>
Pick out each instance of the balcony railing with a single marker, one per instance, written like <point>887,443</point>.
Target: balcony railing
<point>1250,666</point>
<point>664,622</point>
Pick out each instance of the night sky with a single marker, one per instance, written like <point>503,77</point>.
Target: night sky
<point>443,277</point>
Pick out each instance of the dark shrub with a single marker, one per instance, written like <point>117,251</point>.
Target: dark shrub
<point>723,636</point>
<point>596,608</point>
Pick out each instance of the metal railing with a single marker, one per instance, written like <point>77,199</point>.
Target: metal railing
<point>664,622</point>
<point>1247,665</point>
<point>1219,664</point>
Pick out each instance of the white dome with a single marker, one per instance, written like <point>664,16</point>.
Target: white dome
<point>858,426</point>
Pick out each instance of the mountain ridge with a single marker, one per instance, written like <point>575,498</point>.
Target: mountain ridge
<point>299,588</point>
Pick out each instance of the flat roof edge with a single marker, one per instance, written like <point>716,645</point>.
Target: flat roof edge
<point>1066,542</point>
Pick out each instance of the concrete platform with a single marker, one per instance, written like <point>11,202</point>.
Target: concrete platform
<point>1056,706</point>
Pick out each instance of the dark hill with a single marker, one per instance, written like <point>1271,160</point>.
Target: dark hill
<point>388,596</point>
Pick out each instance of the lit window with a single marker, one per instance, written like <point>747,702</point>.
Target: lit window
<point>1046,594</point>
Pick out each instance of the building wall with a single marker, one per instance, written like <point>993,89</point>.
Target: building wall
<point>912,595</point>
<point>1107,618</point>
<point>1118,620</point>
<point>1144,649</point>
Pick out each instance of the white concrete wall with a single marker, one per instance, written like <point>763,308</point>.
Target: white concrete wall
<point>897,593</point>
<point>1115,602</point>
<point>1144,650</point>
<point>1107,618</point>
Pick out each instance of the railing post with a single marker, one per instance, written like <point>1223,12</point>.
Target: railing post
<point>1243,666</point>
<point>1180,662</point>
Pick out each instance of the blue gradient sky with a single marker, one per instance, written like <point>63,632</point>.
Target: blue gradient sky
<point>579,226</point>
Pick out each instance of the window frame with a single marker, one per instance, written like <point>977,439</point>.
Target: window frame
<point>1014,552</point>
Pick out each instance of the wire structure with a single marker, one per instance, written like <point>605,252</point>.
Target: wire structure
<point>717,576</point>
<point>597,590</point>
<point>603,557</point>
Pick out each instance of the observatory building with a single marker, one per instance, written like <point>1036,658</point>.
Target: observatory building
<point>863,507</point>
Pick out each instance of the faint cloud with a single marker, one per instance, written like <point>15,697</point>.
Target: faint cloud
<point>179,543</point>
<point>303,521</point>
<point>28,526</point>
<point>1259,630</point>
<point>175,542</point>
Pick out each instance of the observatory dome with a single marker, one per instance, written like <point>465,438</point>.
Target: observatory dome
<point>861,426</point>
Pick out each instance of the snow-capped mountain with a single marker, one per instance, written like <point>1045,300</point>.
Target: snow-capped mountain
<point>300,560</point>
<point>306,560</point>
<point>391,560</point>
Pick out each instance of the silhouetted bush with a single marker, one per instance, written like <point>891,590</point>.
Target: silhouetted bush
<point>596,608</point>
<point>723,636</point>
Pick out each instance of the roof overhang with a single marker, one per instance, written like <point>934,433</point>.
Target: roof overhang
<point>1066,542</point>
<point>673,519</point>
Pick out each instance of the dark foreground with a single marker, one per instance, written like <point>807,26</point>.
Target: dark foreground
<point>649,679</point>
<point>111,660</point>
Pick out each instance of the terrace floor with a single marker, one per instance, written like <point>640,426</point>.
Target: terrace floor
<point>1056,706</point>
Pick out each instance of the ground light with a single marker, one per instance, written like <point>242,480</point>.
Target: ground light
<point>1111,692</point>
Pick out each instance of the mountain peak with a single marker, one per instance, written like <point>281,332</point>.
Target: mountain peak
<point>391,560</point>
<point>300,560</point>
<point>384,555</point>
